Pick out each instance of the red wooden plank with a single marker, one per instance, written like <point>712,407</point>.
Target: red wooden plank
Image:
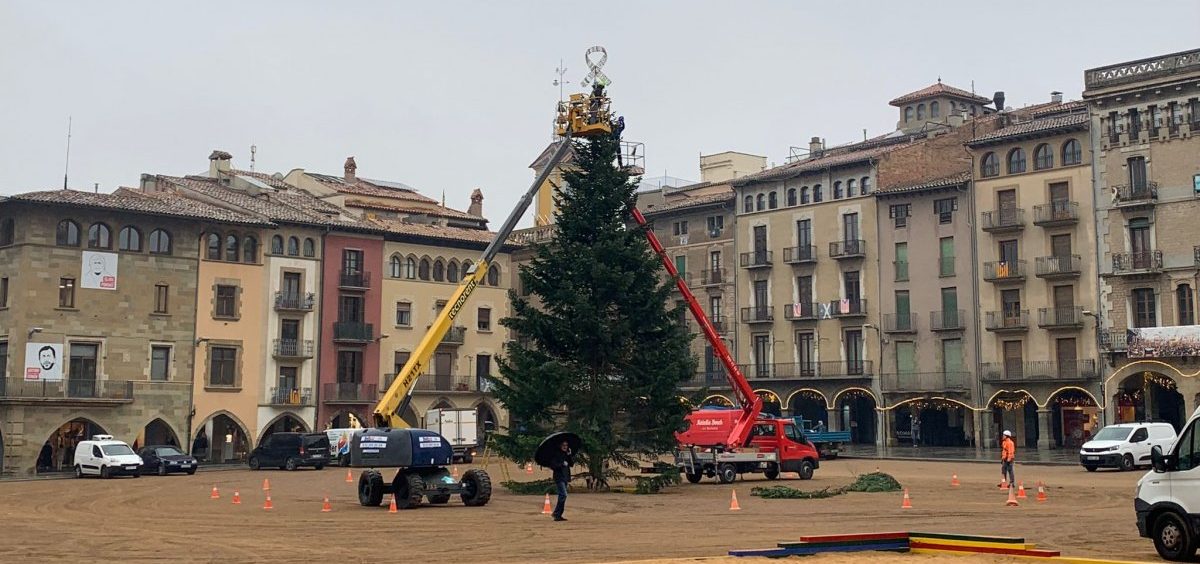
<point>854,537</point>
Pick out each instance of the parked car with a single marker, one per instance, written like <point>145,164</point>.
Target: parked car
<point>102,456</point>
<point>164,459</point>
<point>290,451</point>
<point>1167,499</point>
<point>1125,445</point>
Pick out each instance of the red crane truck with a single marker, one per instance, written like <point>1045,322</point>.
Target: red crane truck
<point>724,443</point>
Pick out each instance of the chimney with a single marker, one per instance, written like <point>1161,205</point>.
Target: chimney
<point>476,208</point>
<point>815,147</point>
<point>218,162</point>
<point>1056,97</point>
<point>998,100</point>
<point>349,168</point>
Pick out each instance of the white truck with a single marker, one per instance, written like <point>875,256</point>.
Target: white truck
<point>458,426</point>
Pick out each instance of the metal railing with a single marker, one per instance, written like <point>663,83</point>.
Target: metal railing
<point>13,388</point>
<point>706,379</point>
<point>800,311</point>
<point>758,314</point>
<point>804,370</point>
<point>1060,317</point>
<point>1114,340</point>
<point>349,392</point>
<point>1139,262</point>
<point>1004,270</point>
<point>712,277</point>
<point>901,268</point>
<point>850,248</point>
<point>1004,219</point>
<point>1056,213</point>
<point>447,383</point>
<point>355,279</point>
<point>293,348</point>
<point>800,255</point>
<point>1058,266</point>
<point>353,331</point>
<point>290,396</point>
<point>1134,194</point>
<point>455,335</point>
<point>925,381</point>
<point>848,308</point>
<point>947,320</point>
<point>1007,320</point>
<point>295,301</point>
<point>755,259</point>
<point>1038,370</point>
<point>899,323</point>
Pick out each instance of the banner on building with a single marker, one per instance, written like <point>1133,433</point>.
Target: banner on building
<point>43,361</point>
<point>1164,342</point>
<point>99,271</point>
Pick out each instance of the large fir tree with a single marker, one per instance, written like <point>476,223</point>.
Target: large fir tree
<point>600,355</point>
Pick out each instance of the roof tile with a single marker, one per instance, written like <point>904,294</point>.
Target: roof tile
<point>1077,120</point>
<point>129,200</point>
<point>938,89</point>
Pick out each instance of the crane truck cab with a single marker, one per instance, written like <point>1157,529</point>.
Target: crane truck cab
<point>774,446</point>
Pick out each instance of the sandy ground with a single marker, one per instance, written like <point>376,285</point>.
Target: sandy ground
<point>157,519</point>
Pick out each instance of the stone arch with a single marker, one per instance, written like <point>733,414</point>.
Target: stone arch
<point>157,432</point>
<point>771,402</point>
<point>452,270</point>
<point>1149,395</point>
<point>442,402</point>
<point>1016,411</point>
<point>222,437</point>
<point>939,421</point>
<point>1074,416</point>
<point>717,400</point>
<point>810,404</point>
<point>487,420</point>
<point>341,419</point>
<point>60,455</point>
<point>439,269</point>
<point>284,422</point>
<point>858,412</point>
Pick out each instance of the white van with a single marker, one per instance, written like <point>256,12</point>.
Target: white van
<point>1125,445</point>
<point>102,456</point>
<point>1167,501</point>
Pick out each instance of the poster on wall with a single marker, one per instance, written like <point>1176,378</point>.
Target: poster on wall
<point>43,361</point>
<point>99,271</point>
<point>1164,342</point>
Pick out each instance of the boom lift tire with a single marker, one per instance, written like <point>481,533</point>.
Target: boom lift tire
<point>694,477</point>
<point>409,489</point>
<point>477,488</point>
<point>370,488</point>
<point>727,473</point>
<point>806,470</point>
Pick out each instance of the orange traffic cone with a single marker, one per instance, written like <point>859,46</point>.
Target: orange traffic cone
<point>1021,490</point>
<point>454,471</point>
<point>266,485</point>
<point>214,495</point>
<point>1012,499</point>
<point>954,481</point>
<point>349,477</point>
<point>528,467</point>
<point>546,506</point>
<point>237,498</point>
<point>392,505</point>
<point>733,504</point>
<point>1041,492</point>
<point>325,507</point>
<point>907,503</point>
<point>267,505</point>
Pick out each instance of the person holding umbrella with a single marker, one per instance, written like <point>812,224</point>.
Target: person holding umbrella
<point>557,452</point>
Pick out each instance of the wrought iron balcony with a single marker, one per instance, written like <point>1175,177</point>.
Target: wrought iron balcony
<point>848,308</point>
<point>353,332</point>
<point>1060,317</point>
<point>1039,370</point>
<point>67,389</point>
<point>293,348</point>
<point>349,392</point>
<point>1056,213</point>
<point>288,301</point>
<point>1114,340</point>
<point>1007,321</point>
<point>290,396</point>
<point>758,314</point>
<point>1056,267</point>
<point>454,336</point>
<point>1004,271</point>
<point>801,311</point>
<point>948,320</point>
<point>714,379</point>
<point>831,369</point>
<point>805,254</point>
<point>756,259</point>
<point>926,381</point>
<point>447,383</point>
<point>1144,262</point>
<point>713,277</point>
<point>1135,195</point>
<point>848,249</point>
<point>1003,220</point>
<point>355,280</point>
<point>719,324</point>
<point>899,323</point>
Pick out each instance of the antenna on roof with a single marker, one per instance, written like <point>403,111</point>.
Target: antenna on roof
<point>443,197</point>
<point>559,82</point>
<point>253,149</point>
<point>67,166</point>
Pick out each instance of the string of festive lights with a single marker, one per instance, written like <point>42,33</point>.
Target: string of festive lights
<point>1011,404</point>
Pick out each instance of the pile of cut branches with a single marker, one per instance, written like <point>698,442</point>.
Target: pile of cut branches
<point>873,482</point>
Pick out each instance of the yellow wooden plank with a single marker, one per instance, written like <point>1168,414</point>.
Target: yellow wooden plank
<point>981,544</point>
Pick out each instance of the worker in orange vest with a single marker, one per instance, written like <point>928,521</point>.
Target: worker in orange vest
<point>1008,454</point>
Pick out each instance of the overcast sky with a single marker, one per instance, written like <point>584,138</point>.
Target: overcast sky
<point>452,96</point>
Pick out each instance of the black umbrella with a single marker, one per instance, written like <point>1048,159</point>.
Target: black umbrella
<point>553,444</point>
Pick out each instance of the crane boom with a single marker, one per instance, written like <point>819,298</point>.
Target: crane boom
<point>749,401</point>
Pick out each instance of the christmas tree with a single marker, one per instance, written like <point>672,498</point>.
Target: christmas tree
<point>599,353</point>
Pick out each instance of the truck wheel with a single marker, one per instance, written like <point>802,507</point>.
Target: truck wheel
<point>409,489</point>
<point>467,458</point>
<point>78,471</point>
<point>104,473</point>
<point>694,477</point>
<point>291,464</point>
<point>772,472</point>
<point>1090,468</point>
<point>439,499</point>
<point>370,488</point>
<point>162,469</point>
<point>806,470</point>
<point>1172,538</point>
<point>476,488</point>
<point>1127,462</point>
<point>727,473</point>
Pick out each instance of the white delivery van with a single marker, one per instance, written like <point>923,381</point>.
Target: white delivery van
<point>457,426</point>
<point>1125,445</point>
<point>1167,499</point>
<point>102,456</point>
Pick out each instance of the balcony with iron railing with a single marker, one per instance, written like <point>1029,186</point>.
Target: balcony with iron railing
<point>1060,317</point>
<point>1007,321</point>
<point>292,348</point>
<point>901,268</point>
<point>1056,214</point>
<point>447,383</point>
<point>86,390</point>
<point>714,379</point>
<point>947,320</point>
<point>713,277</point>
<point>354,280</point>
<point>1039,370</point>
<point>353,332</point>
<point>848,249</point>
<point>756,259</point>
<point>289,301</point>
<point>1004,271</point>
<point>758,314</point>
<point>831,369</point>
<point>349,392</point>
<point>719,323</point>
<point>1003,220</point>
<point>899,323</point>
<point>804,254</point>
<point>1139,263</point>
<point>1135,195</point>
<point>926,381</point>
<point>800,311</point>
<point>1058,267</point>
<point>290,396</point>
<point>1114,340</point>
<point>848,308</point>
<point>455,335</point>
<point>683,275</point>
